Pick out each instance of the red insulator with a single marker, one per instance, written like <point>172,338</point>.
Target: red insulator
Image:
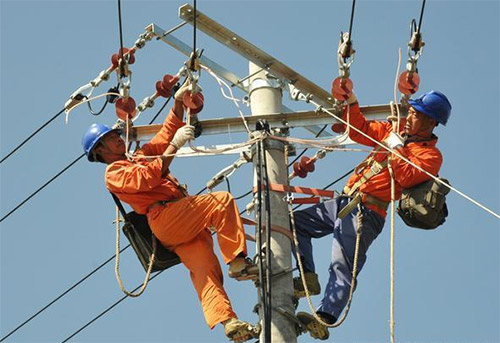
<point>164,87</point>
<point>306,165</point>
<point>408,82</point>
<point>342,88</point>
<point>338,127</point>
<point>125,108</point>
<point>169,81</point>
<point>193,101</point>
<point>160,90</point>
<point>116,57</point>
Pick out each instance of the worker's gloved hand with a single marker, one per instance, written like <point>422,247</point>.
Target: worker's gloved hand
<point>183,89</point>
<point>394,141</point>
<point>352,99</point>
<point>182,135</point>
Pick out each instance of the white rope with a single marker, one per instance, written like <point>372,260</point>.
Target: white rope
<point>392,263</point>
<point>231,97</point>
<point>409,162</point>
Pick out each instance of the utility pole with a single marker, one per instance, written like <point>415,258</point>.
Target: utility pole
<point>265,99</point>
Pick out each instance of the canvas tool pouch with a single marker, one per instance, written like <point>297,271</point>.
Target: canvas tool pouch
<point>142,240</point>
<point>424,205</point>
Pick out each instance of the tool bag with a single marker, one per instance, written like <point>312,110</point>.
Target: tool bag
<point>142,240</point>
<point>424,205</point>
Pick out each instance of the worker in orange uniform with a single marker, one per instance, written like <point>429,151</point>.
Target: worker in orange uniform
<point>367,193</point>
<point>181,222</point>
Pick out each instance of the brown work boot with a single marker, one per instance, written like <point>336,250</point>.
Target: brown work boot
<point>312,283</point>
<point>315,328</point>
<point>240,331</point>
<point>243,269</point>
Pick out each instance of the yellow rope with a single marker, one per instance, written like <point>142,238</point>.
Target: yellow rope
<point>117,264</point>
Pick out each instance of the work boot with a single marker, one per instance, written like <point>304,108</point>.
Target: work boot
<point>243,269</point>
<point>315,328</point>
<point>312,285</point>
<point>240,331</point>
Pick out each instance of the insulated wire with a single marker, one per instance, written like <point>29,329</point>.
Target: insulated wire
<point>32,135</point>
<point>42,187</point>
<point>60,296</point>
<point>258,238</point>
<point>421,17</point>
<point>121,38</point>
<point>107,310</point>
<point>267,310</point>
<point>352,19</point>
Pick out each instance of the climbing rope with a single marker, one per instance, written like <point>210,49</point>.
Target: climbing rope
<point>392,263</point>
<point>132,294</point>
<point>354,268</point>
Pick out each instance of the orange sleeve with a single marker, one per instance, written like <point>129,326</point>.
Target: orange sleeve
<point>160,141</point>
<point>429,159</point>
<point>127,177</point>
<point>377,130</point>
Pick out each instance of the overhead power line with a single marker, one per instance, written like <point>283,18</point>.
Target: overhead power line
<point>107,310</point>
<point>60,296</point>
<point>32,135</point>
<point>42,187</point>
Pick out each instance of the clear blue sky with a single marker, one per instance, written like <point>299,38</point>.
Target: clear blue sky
<point>447,281</point>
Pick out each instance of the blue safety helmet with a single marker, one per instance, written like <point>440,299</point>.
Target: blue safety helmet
<point>434,104</point>
<point>93,135</point>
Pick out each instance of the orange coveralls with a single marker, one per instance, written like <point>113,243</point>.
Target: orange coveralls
<point>424,154</point>
<point>183,224</point>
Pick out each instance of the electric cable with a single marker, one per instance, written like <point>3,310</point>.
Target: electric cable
<point>258,238</point>
<point>91,110</point>
<point>32,135</point>
<point>107,310</point>
<point>304,151</point>
<point>267,310</point>
<point>242,196</point>
<point>122,72</point>
<point>352,19</point>
<point>42,187</point>
<point>421,17</point>
<point>60,296</point>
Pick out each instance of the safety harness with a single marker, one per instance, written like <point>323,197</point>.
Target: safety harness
<point>372,168</point>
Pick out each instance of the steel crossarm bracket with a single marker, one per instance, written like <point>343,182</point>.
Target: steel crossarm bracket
<point>276,121</point>
<point>187,50</point>
<point>215,67</point>
<point>256,55</point>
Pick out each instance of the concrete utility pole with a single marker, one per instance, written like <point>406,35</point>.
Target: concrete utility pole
<point>265,99</point>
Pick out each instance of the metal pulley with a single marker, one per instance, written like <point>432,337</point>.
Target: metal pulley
<point>193,102</point>
<point>125,108</point>
<point>306,165</point>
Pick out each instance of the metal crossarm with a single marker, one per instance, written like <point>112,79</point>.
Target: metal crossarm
<point>256,55</point>
<point>279,120</point>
